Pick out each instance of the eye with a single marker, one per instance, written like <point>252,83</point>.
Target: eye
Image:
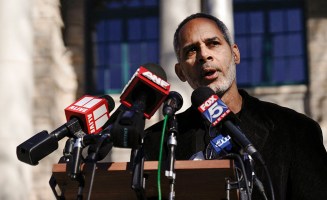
<point>213,43</point>
<point>190,51</point>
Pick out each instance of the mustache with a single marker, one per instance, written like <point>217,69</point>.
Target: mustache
<point>207,67</point>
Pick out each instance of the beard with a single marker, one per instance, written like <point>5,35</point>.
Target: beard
<point>222,85</point>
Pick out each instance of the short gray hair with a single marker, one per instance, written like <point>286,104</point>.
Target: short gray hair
<point>221,26</point>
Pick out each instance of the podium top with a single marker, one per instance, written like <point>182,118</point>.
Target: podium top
<point>203,179</point>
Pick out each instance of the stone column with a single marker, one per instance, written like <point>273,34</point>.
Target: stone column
<point>317,44</point>
<point>55,86</point>
<point>171,14</point>
<point>223,10</point>
<point>16,89</point>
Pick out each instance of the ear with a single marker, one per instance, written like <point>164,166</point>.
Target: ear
<point>236,54</point>
<point>179,72</point>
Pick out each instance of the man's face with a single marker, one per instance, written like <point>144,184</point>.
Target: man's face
<point>205,58</point>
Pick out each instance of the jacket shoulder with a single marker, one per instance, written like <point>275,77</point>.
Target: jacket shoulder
<point>277,114</point>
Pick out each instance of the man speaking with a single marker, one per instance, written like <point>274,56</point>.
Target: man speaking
<point>290,143</point>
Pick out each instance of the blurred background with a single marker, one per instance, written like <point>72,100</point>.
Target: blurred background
<point>55,51</point>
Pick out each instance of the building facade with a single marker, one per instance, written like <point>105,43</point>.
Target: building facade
<point>48,60</point>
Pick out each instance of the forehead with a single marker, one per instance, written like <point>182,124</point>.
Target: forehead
<point>199,29</point>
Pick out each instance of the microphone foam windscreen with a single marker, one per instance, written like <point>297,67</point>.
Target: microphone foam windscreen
<point>200,95</point>
<point>111,102</point>
<point>156,69</point>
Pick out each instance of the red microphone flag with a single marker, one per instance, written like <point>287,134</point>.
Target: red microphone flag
<point>92,111</point>
<point>146,80</point>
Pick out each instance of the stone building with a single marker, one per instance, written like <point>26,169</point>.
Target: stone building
<point>43,68</point>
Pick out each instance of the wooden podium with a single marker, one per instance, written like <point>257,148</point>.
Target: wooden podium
<point>194,180</point>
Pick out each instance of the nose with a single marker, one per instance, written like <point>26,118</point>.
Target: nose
<point>204,54</point>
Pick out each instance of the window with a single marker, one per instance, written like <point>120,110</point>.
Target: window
<point>271,38</point>
<point>126,36</point>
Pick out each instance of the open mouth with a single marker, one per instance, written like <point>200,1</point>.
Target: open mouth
<point>209,73</point>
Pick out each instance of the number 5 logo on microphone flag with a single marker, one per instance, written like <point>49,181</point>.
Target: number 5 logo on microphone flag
<point>214,110</point>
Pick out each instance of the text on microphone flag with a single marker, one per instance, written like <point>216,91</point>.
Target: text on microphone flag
<point>214,110</point>
<point>148,82</point>
<point>156,79</point>
<point>92,111</point>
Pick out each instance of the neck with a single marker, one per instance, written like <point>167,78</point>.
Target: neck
<point>232,98</point>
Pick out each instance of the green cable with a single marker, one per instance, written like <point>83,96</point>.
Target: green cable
<point>160,156</point>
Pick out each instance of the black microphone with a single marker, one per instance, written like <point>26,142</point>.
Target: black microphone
<point>142,96</point>
<point>99,151</point>
<point>215,111</point>
<point>85,116</point>
<point>172,104</point>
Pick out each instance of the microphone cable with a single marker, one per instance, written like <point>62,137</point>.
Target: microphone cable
<point>271,189</point>
<point>93,159</point>
<point>259,185</point>
<point>233,156</point>
<point>239,159</point>
<point>160,156</point>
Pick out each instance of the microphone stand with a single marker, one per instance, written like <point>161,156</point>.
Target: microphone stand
<point>131,126</point>
<point>67,157</point>
<point>137,167</point>
<point>98,140</point>
<point>171,143</point>
<point>74,166</point>
<point>72,156</point>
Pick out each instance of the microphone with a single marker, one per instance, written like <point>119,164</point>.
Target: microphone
<point>215,111</point>
<point>93,112</point>
<point>99,151</point>
<point>172,104</point>
<point>86,115</point>
<point>146,90</point>
<point>142,96</point>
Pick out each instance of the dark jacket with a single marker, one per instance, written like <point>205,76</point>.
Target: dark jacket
<point>289,142</point>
